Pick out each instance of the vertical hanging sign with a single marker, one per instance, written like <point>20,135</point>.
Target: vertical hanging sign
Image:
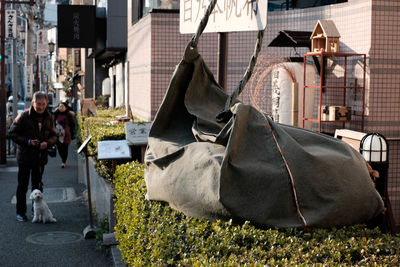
<point>42,44</point>
<point>11,24</point>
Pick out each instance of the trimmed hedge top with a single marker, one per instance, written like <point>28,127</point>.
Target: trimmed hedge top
<point>101,128</point>
<point>150,233</point>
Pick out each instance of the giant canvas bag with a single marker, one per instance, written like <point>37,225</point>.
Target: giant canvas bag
<point>248,167</point>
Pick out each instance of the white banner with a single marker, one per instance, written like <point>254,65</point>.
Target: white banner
<point>227,16</point>
<point>42,45</point>
<point>11,24</point>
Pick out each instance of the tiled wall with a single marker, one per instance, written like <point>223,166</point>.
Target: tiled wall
<point>384,99</point>
<point>366,26</point>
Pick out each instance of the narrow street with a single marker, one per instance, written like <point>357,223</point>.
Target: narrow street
<point>57,244</point>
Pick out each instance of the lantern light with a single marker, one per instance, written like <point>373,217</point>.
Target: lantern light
<point>374,148</point>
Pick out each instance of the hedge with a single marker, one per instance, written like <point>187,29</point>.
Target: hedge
<point>152,234</point>
<point>101,127</point>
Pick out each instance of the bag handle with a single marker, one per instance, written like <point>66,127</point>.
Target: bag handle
<point>226,114</point>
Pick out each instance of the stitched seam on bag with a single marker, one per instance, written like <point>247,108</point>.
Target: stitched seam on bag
<point>299,213</point>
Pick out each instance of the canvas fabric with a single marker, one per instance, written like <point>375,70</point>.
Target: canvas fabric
<point>249,168</point>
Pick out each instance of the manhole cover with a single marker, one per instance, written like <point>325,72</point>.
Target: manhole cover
<point>54,238</point>
<point>53,195</point>
<point>9,169</point>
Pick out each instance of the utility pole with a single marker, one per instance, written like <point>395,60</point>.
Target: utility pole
<point>3,152</point>
<point>14,65</point>
<point>29,41</point>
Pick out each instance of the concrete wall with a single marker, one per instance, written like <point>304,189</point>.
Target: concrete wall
<point>101,191</point>
<point>117,97</point>
<point>139,57</point>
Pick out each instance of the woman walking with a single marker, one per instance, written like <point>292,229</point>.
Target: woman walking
<point>65,126</point>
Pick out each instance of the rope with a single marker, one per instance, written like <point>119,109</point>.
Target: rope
<point>203,23</point>
<point>249,71</point>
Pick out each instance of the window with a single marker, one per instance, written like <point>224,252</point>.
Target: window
<point>294,4</point>
<point>141,7</point>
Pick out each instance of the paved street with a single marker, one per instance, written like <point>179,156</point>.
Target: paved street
<point>59,244</point>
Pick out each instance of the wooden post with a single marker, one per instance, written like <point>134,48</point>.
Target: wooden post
<point>88,188</point>
<point>222,58</point>
<point>143,152</point>
<point>89,231</point>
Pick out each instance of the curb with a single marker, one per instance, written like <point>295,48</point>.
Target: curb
<point>116,256</point>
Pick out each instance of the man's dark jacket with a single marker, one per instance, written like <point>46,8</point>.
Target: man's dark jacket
<point>25,128</point>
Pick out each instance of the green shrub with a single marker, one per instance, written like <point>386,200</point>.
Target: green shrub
<point>152,234</point>
<point>102,228</point>
<point>101,127</point>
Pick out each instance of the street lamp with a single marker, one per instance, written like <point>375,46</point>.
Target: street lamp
<point>375,150</point>
<point>51,48</point>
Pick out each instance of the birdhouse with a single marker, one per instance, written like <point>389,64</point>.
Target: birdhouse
<point>325,37</point>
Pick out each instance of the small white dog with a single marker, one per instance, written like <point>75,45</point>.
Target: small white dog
<point>41,211</point>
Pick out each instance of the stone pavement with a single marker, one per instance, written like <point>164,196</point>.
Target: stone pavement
<point>58,244</point>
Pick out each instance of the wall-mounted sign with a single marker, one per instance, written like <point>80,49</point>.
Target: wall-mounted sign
<point>11,24</point>
<point>227,16</point>
<point>113,149</point>
<point>76,26</point>
<point>42,44</point>
<point>137,133</point>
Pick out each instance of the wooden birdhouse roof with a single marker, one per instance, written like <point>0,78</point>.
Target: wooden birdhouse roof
<point>327,27</point>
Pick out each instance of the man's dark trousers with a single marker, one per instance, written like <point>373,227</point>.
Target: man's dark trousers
<point>24,172</point>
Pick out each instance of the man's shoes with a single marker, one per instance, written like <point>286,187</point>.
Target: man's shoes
<point>63,165</point>
<point>21,218</point>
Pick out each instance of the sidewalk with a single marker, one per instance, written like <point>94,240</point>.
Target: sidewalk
<point>59,244</point>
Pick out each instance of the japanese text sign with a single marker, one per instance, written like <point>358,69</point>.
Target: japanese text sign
<point>42,43</point>
<point>11,24</point>
<point>137,133</point>
<point>113,149</point>
<point>227,16</point>
<point>77,26</point>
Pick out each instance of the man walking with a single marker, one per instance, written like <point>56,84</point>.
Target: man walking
<point>33,131</point>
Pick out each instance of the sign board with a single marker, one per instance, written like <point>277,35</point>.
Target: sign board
<point>88,107</point>
<point>113,149</point>
<point>11,24</point>
<point>84,144</point>
<point>227,16</point>
<point>137,133</point>
<point>76,26</point>
<point>352,138</point>
<point>42,44</point>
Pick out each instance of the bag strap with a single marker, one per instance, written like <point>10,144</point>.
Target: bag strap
<point>226,114</point>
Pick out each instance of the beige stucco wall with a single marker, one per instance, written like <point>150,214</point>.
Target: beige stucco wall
<point>139,58</point>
